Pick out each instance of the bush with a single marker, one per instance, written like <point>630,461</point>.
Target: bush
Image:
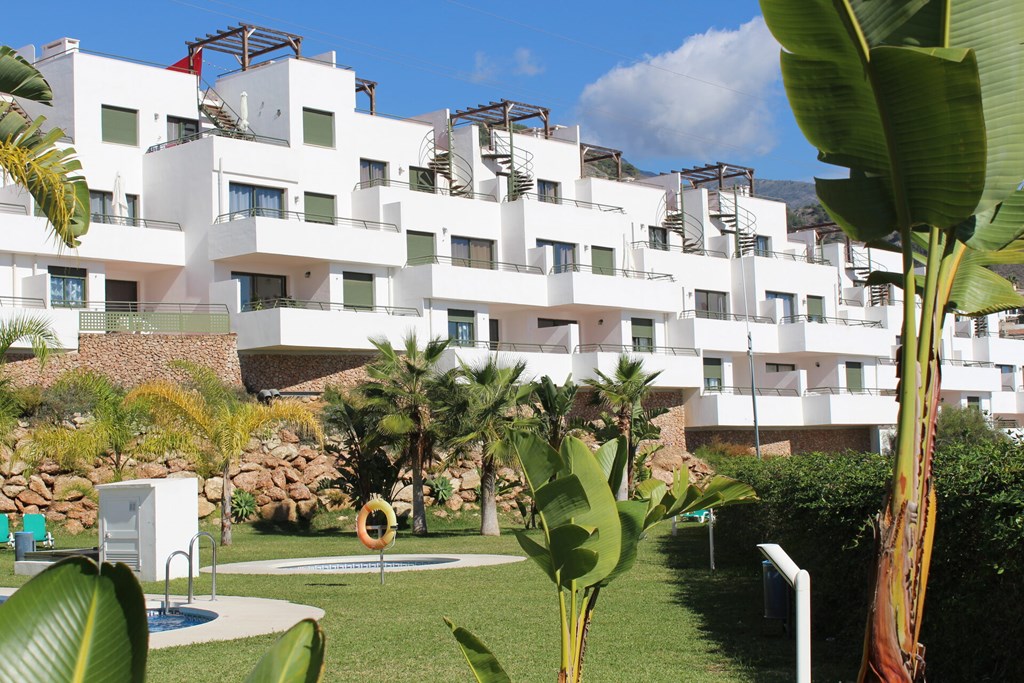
<point>719,448</point>
<point>440,489</point>
<point>243,505</point>
<point>960,425</point>
<point>819,507</point>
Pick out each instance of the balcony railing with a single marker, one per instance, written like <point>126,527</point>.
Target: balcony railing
<point>108,219</point>
<point>579,204</point>
<point>715,315</point>
<point>746,391</point>
<point>18,209</point>
<point>968,363</point>
<point>636,348</point>
<point>285,302</point>
<point>474,263</point>
<point>21,302</point>
<point>799,258</point>
<point>851,391</point>
<point>428,189</point>
<point>601,270</point>
<point>158,318</point>
<point>886,361</point>
<point>660,246</point>
<point>514,347</point>
<point>260,212</point>
<point>826,320</point>
<point>218,133</point>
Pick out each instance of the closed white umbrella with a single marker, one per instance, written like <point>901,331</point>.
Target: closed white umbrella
<point>119,208</point>
<point>243,112</point>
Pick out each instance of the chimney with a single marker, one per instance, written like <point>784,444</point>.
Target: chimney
<point>59,46</point>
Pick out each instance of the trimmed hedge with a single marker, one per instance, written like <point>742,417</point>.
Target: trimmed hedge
<point>819,508</point>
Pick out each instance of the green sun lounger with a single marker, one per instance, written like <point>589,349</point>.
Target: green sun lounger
<point>36,523</point>
<point>5,531</point>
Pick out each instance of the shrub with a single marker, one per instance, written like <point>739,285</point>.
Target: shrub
<point>440,488</point>
<point>717,447</point>
<point>959,425</point>
<point>243,505</point>
<point>28,399</point>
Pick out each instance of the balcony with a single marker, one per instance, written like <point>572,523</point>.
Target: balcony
<point>541,359</point>
<point>426,189</point>
<point>725,331</point>
<point>562,201</point>
<point>679,366</point>
<point>461,279</point>
<point>783,256</point>
<point>733,407</point>
<point>696,251</point>
<point>282,324</point>
<point>289,235</point>
<point>219,133</point>
<point>154,318</point>
<point>410,206</point>
<point>583,285</point>
<point>835,406</point>
<point>823,334</point>
<point>976,376</point>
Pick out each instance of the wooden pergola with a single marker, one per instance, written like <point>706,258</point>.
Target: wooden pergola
<point>503,114</point>
<point>590,154</point>
<point>370,89</point>
<point>718,173</point>
<point>246,42</point>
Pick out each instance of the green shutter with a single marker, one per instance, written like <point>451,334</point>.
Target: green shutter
<point>358,290</point>
<point>603,260</point>
<point>854,376</point>
<point>460,316</point>
<point>816,308</point>
<point>319,208</point>
<point>318,128</point>
<point>419,247</point>
<point>712,374</point>
<point>119,125</point>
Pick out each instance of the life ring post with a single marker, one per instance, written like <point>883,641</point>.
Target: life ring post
<point>385,533</point>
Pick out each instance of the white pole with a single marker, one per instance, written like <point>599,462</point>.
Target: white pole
<point>803,626</point>
<point>711,537</point>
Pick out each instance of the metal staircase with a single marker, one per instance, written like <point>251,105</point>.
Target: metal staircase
<point>447,164</point>
<point>219,113</point>
<point>514,164</point>
<point>671,215</point>
<point>724,206</point>
<point>861,266</point>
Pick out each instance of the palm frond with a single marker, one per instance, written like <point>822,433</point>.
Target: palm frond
<point>35,329</point>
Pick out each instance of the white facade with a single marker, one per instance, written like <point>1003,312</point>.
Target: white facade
<point>573,272</point>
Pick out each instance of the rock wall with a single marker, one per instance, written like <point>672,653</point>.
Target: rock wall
<point>131,359</point>
<point>672,423</point>
<point>787,441</point>
<point>301,371</point>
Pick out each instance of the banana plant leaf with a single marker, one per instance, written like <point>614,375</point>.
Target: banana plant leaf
<point>481,660</point>
<point>296,657</point>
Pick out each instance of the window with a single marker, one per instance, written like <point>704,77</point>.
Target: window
<point>372,172</point>
<point>643,334</point>
<point>974,402</point>
<point>317,127</point>
<point>259,290</point>
<point>1006,375</point>
<point>319,208</point>
<point>714,305</point>
<point>548,191</point>
<point>553,322</point>
<point>419,247</point>
<point>252,200</point>
<point>657,238</point>
<point>816,309</point>
<point>67,287</point>
<point>712,374</point>
<point>120,126</point>
<point>461,326</point>
<point>854,376</point>
<point>762,245</point>
<point>564,254</point>
<point>786,299</point>
<point>470,252</point>
<point>779,367</point>
<point>357,291</point>
<point>178,128</point>
<point>602,260</point>
<point>494,330</point>
<point>422,179</point>
<point>101,208</point>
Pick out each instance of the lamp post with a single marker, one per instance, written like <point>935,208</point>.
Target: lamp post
<point>753,392</point>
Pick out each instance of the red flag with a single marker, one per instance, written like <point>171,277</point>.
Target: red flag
<point>189,66</point>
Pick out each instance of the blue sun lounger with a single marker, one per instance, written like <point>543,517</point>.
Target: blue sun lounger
<point>36,523</point>
<point>5,532</point>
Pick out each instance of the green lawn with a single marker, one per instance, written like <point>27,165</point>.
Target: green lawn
<point>668,620</point>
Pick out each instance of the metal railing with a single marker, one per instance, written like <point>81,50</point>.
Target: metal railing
<point>219,133</point>
<point>159,318</point>
<point>968,363</point>
<point>851,302</point>
<point>130,221</point>
<point>799,258</point>
<point>852,391</point>
<point>480,264</point>
<point>520,347</point>
<point>886,361</point>
<point>661,246</point>
<point>578,203</point>
<point>746,391</point>
<point>427,189</point>
<point>826,320</point>
<point>636,348</point>
<point>280,214</point>
<point>715,315</point>
<point>600,270</point>
<point>21,302</point>
<point>18,209</point>
<point>286,302</point>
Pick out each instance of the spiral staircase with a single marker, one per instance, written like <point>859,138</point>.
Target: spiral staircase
<point>672,217</point>
<point>514,164</point>
<point>724,206</point>
<point>447,164</point>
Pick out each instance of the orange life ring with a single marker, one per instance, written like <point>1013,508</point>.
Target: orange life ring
<point>376,505</point>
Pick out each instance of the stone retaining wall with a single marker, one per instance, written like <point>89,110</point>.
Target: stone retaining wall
<point>302,371</point>
<point>787,441</point>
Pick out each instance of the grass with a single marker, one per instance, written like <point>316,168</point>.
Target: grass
<point>670,619</point>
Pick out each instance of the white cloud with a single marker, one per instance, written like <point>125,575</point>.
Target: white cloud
<point>483,68</point>
<point>649,109</point>
<point>526,64</point>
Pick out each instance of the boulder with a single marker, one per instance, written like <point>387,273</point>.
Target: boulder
<point>205,507</point>
<point>454,503</point>
<point>178,464</point>
<point>30,497</point>
<point>185,475</point>
<point>13,491</point>
<point>17,467</point>
<point>402,508</point>
<point>286,451</point>
<point>70,488</point>
<point>151,470</point>
<point>73,526</point>
<point>7,505</point>
<point>36,484</point>
<point>276,493</point>
<point>26,509</point>
<point>287,436</point>
<point>283,511</point>
<point>100,475</point>
<point>441,513</point>
<point>467,495</point>
<point>262,499</point>
<point>277,476</point>
<point>470,480</point>
<point>250,467</point>
<point>253,481</point>
<point>17,480</point>
<point>62,506</point>
<point>306,508</point>
<point>291,476</point>
<point>404,494</point>
<point>48,467</point>
<point>214,489</point>
<point>54,516</point>
<point>299,492</point>
<point>271,462</point>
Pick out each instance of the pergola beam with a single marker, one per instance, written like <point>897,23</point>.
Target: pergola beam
<point>246,42</point>
<point>504,114</point>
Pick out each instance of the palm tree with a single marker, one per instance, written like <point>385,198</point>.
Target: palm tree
<point>484,406</point>
<point>624,392</point>
<point>552,406</point>
<point>41,337</point>
<point>402,390</point>
<point>30,157</point>
<point>218,424</point>
<point>347,413</point>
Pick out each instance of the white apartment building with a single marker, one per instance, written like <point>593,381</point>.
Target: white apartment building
<point>274,206</point>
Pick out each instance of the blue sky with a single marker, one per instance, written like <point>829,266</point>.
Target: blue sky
<point>672,84</point>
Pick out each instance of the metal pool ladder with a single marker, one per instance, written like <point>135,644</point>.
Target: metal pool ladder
<point>193,547</point>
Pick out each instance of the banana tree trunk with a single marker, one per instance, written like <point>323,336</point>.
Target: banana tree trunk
<point>488,505</point>
<point>225,506</point>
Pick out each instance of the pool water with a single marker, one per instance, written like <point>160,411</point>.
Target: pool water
<point>172,620</point>
<point>370,564</point>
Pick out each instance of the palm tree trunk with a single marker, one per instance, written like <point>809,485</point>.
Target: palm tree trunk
<point>488,506</point>
<point>225,506</point>
<point>626,430</point>
<point>419,510</point>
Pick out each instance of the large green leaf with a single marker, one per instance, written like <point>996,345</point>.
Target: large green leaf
<point>996,227</point>
<point>612,457</point>
<point>561,500</point>
<point>540,462</point>
<point>602,516</point>
<point>296,657</point>
<point>862,206</point>
<point>538,553</point>
<point>21,79</point>
<point>914,22</point>
<point>977,290</point>
<point>481,661</point>
<point>75,622</point>
<point>631,518</point>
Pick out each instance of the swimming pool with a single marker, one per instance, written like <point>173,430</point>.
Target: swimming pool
<point>367,565</point>
<point>356,564</point>
<point>171,620</point>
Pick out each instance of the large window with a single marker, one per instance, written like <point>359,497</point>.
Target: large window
<point>711,304</point>
<point>358,291</point>
<point>118,125</point>
<point>252,200</point>
<point>373,172</point>
<point>564,254</point>
<point>549,191</point>
<point>602,260</point>
<point>779,367</point>
<point>762,244</point>
<point>67,287</point>
<point>786,299</point>
<point>259,290</point>
<point>554,322</point>
<point>461,327</point>
<point>643,334</point>
<point>319,208</point>
<point>101,208</point>
<point>816,309</point>
<point>712,374</point>
<point>657,238</point>
<point>854,376</point>
<point>422,179</point>
<point>178,128</point>
<point>472,253</point>
<point>318,128</point>
<point>419,247</point>
<point>1006,376</point>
